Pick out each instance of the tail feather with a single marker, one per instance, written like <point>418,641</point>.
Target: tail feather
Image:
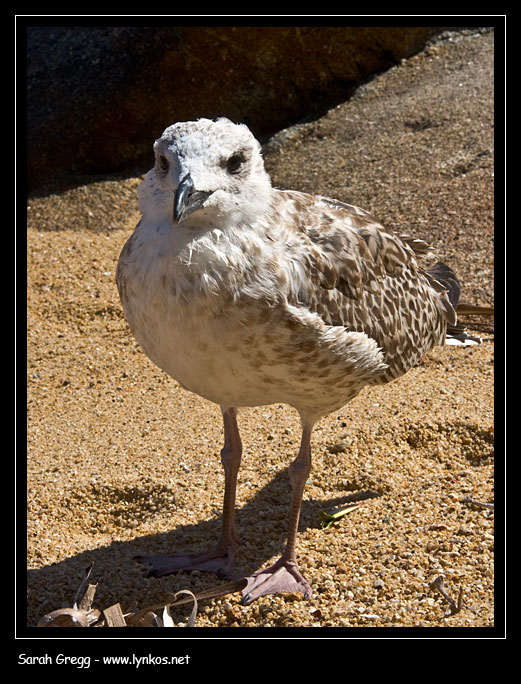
<point>446,277</point>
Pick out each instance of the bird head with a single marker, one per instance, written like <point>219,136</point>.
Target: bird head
<point>212,171</point>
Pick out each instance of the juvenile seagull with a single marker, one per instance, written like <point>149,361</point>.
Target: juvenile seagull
<point>248,295</point>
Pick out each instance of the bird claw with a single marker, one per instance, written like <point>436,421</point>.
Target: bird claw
<point>283,576</point>
<point>217,560</point>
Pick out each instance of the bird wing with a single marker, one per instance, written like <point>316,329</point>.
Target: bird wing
<point>363,277</point>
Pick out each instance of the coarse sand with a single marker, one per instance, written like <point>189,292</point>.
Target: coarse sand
<point>121,460</point>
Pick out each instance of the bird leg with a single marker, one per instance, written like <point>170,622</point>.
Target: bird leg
<point>284,575</point>
<point>222,556</point>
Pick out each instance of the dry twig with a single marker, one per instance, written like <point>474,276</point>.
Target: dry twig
<point>81,589</point>
<point>455,606</point>
<point>83,615</point>
<point>479,504</point>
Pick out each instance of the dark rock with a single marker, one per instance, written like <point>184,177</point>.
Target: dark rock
<point>98,96</point>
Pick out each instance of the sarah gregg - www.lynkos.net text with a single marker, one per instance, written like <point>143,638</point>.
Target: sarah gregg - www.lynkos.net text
<point>84,662</point>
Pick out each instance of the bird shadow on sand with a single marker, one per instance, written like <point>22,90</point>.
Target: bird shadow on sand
<point>261,524</point>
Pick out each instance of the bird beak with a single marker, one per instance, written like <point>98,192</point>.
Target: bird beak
<point>187,199</point>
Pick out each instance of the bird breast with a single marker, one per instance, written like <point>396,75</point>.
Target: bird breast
<point>217,317</point>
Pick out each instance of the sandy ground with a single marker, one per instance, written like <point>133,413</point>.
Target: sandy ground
<point>121,460</point>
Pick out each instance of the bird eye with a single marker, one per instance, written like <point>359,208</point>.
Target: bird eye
<point>163,163</point>
<point>234,163</point>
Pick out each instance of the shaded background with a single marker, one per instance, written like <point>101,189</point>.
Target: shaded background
<point>96,96</point>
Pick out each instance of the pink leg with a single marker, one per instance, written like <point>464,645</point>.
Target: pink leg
<point>221,557</point>
<point>285,575</point>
